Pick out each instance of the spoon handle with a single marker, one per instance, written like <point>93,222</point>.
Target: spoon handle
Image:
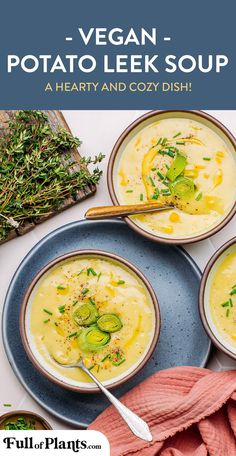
<point>104,212</point>
<point>139,427</point>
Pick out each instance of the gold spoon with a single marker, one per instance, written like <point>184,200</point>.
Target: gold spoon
<point>104,212</point>
<point>190,206</point>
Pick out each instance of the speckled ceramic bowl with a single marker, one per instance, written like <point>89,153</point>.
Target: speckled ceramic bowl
<point>127,136</point>
<point>28,340</point>
<point>40,423</point>
<point>204,298</point>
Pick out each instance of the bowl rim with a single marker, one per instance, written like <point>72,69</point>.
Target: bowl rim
<point>111,187</point>
<point>51,264</point>
<point>201,300</point>
<point>27,413</point>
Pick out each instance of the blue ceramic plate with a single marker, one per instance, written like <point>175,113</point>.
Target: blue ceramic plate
<point>175,279</point>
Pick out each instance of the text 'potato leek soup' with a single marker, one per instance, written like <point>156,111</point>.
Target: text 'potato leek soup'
<point>223,299</point>
<point>182,161</point>
<point>96,309</point>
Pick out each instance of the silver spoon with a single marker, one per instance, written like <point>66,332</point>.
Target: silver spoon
<point>139,427</point>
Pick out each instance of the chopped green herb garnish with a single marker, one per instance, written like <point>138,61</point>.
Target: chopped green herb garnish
<point>233,292</point>
<point>19,424</point>
<point>91,367</point>
<point>82,270</point>
<point>61,287</point>
<point>160,175</point>
<point>227,312</point>
<point>164,142</point>
<point>155,196</point>
<point>141,196</point>
<point>166,192</point>
<point>129,191</point>
<point>121,362</point>
<point>91,271</point>
<point>120,282</point>
<point>92,301</point>
<point>73,334</point>
<point>99,275</point>
<point>182,143</point>
<point>171,153</point>
<point>166,182</point>
<point>85,291</point>
<point>46,321</point>
<point>156,193</point>
<point>152,181</point>
<point>177,134</point>
<point>153,169</point>
<point>225,304</point>
<point>230,302</point>
<point>7,405</point>
<point>199,196</point>
<point>74,303</point>
<point>118,363</point>
<point>159,141</point>
<point>47,312</point>
<point>167,152</point>
<point>105,358</point>
<point>61,309</point>
<point>207,158</point>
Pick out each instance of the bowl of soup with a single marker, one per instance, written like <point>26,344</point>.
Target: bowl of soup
<point>217,298</point>
<point>184,158</point>
<point>92,305</point>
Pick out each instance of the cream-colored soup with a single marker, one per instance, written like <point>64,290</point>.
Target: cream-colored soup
<point>223,299</point>
<point>209,164</point>
<point>101,286</point>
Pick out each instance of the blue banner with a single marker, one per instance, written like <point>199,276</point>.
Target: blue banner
<point>117,55</point>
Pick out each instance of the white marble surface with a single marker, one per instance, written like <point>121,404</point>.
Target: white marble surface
<point>99,131</point>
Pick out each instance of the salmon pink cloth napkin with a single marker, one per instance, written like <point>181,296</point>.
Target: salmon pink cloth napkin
<point>190,411</point>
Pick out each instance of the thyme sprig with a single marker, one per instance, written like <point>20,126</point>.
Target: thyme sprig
<point>36,172</point>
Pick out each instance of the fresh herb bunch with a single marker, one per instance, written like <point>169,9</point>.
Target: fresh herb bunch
<point>36,173</point>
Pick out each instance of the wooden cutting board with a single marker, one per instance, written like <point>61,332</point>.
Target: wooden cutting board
<point>56,119</point>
